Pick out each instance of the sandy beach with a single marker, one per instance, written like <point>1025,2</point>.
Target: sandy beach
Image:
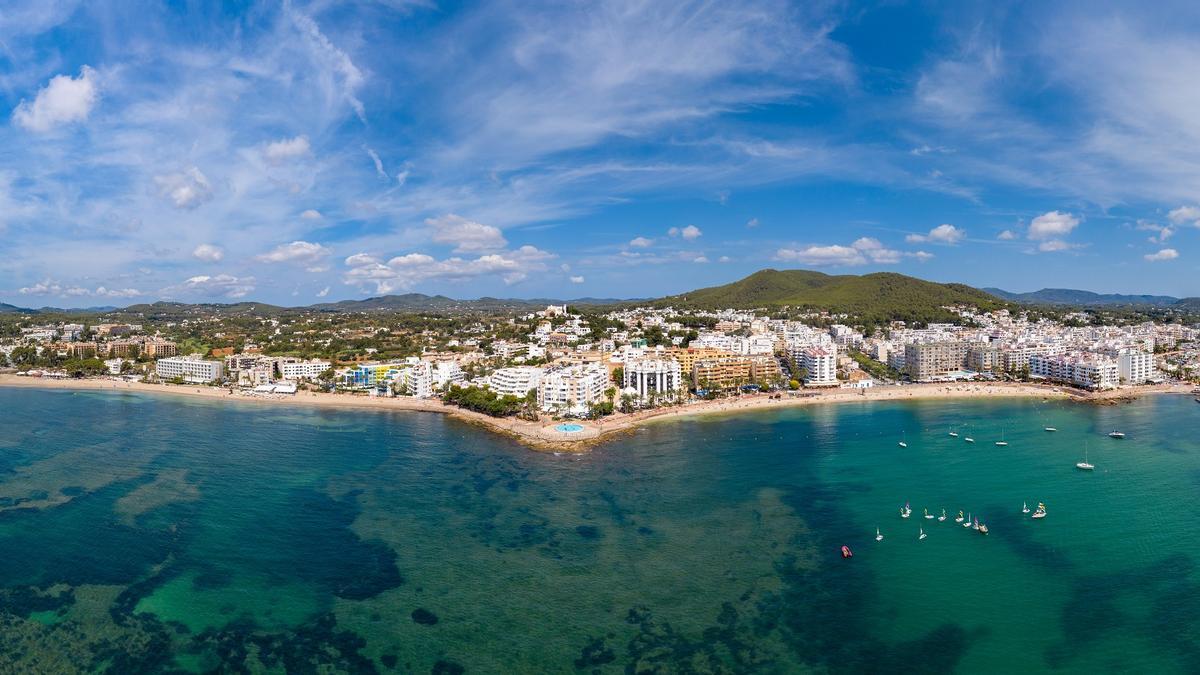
<point>544,435</point>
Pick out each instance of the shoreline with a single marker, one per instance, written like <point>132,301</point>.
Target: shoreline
<point>543,436</point>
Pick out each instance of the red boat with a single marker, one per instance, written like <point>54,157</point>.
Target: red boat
<point>846,552</point>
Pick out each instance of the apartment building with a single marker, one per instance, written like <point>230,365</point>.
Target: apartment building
<point>302,370</point>
<point>924,361</point>
<point>573,388</point>
<point>190,368</point>
<point>820,365</point>
<point>661,378</point>
<point>984,358</point>
<point>1135,367</point>
<point>1090,371</point>
<point>516,381</point>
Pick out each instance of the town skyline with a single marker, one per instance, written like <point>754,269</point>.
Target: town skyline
<point>307,152</point>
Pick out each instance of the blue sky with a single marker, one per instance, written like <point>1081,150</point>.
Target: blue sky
<point>299,152</point>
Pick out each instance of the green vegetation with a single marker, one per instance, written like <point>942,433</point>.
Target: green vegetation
<point>877,370</point>
<point>484,401</point>
<point>872,298</point>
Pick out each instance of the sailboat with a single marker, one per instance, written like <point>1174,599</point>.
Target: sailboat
<point>983,529</point>
<point>1051,429</point>
<point>1040,512</point>
<point>927,515</point>
<point>952,433</point>
<point>923,535</point>
<point>959,519</point>
<point>1084,464</point>
<point>942,518</point>
<point>903,443</point>
<point>1001,442</point>
<point>905,511</point>
<point>1024,507</point>
<point>967,522</point>
<point>878,535</point>
<point>1116,434</point>
<point>968,439</point>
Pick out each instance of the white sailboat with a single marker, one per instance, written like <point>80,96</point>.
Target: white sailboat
<point>968,438</point>
<point>928,516</point>
<point>878,535</point>
<point>903,443</point>
<point>959,519</point>
<point>1050,429</point>
<point>905,511</point>
<point>1085,465</point>
<point>1002,443</point>
<point>942,518</point>
<point>1024,507</point>
<point>1040,512</point>
<point>967,522</point>
<point>953,433</point>
<point>923,535</point>
<point>1116,434</point>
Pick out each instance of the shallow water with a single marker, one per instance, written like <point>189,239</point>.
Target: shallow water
<point>153,533</point>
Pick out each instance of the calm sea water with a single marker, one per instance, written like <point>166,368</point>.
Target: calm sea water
<point>157,534</point>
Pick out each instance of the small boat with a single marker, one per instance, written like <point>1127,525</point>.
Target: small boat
<point>967,522</point>
<point>846,553</point>
<point>1024,507</point>
<point>969,439</point>
<point>1002,443</point>
<point>959,519</point>
<point>1051,429</point>
<point>928,516</point>
<point>954,434</point>
<point>923,535</point>
<point>1116,434</point>
<point>1040,512</point>
<point>903,443</point>
<point>983,529</point>
<point>975,525</point>
<point>905,511</point>
<point>878,535</point>
<point>1085,464</point>
<point>942,518</point>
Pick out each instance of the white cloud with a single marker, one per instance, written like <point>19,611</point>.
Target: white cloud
<point>1052,225</point>
<point>187,189</point>
<point>723,259</point>
<point>222,284</point>
<point>285,149</point>
<point>864,250</point>
<point>208,253</point>
<point>752,223</point>
<point>942,234</point>
<point>1055,245</point>
<point>577,280</point>
<point>921,256</point>
<point>467,235</point>
<point>405,271</point>
<point>323,292</point>
<point>1189,215</point>
<point>45,287</point>
<point>296,251</point>
<point>311,214</point>
<point>378,162</point>
<point>362,259</point>
<point>1164,232</point>
<point>640,242</point>
<point>1007,235</point>
<point>1164,254</point>
<point>335,59</point>
<point>700,259</point>
<point>63,101</point>
<point>690,232</point>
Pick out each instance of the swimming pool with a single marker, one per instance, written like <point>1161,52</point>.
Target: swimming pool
<point>569,428</point>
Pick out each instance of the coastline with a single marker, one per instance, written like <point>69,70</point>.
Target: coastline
<point>543,436</point>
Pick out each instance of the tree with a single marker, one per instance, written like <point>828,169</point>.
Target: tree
<point>618,376</point>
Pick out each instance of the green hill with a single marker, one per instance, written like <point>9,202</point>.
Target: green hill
<point>879,296</point>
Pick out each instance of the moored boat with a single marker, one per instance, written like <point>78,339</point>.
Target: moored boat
<point>878,535</point>
<point>1084,464</point>
<point>983,529</point>
<point>967,522</point>
<point>922,535</point>
<point>959,519</point>
<point>846,553</point>
<point>1040,512</point>
<point>942,518</point>
<point>1024,507</point>
<point>1116,434</point>
<point>928,516</point>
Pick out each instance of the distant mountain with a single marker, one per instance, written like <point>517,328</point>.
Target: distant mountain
<point>1187,305</point>
<point>1076,298</point>
<point>7,308</point>
<point>883,295</point>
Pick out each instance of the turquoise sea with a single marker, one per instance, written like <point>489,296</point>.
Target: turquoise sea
<point>162,534</point>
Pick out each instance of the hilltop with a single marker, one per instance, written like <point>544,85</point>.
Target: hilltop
<point>881,296</point>
<point>1077,298</point>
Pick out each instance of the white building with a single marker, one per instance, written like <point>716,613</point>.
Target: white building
<point>417,379</point>
<point>303,370</point>
<point>1090,371</point>
<point>516,381</point>
<point>573,388</point>
<point>658,376</point>
<point>1135,367</point>
<point>446,373</point>
<point>821,365</point>
<point>114,366</point>
<point>190,368</point>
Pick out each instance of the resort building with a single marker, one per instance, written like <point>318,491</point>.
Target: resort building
<point>303,370</point>
<point>687,356</point>
<point>190,368</point>
<point>661,378</point>
<point>446,373</point>
<point>155,348</point>
<point>516,381</point>
<point>1135,367</point>
<point>925,361</point>
<point>573,388</point>
<point>1090,371</point>
<point>984,358</point>
<point>733,371</point>
<point>820,365</point>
